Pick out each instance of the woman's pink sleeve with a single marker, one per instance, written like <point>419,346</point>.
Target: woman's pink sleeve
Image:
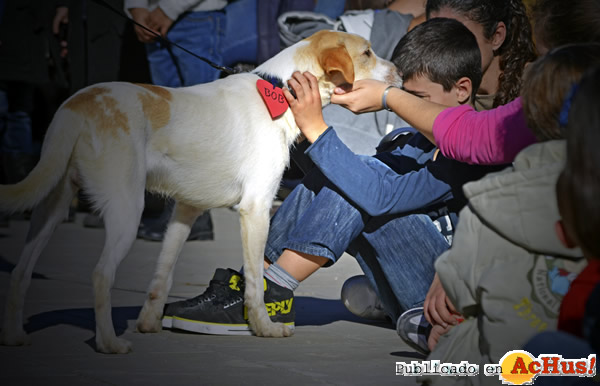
<point>483,137</point>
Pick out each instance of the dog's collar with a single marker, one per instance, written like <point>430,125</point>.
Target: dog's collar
<point>270,89</point>
<point>274,80</point>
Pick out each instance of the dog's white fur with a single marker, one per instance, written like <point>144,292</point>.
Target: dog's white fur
<point>210,145</point>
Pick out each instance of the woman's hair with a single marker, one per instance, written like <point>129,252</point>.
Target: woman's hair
<point>559,22</point>
<point>441,49</point>
<point>578,187</point>
<point>547,83</point>
<point>517,49</point>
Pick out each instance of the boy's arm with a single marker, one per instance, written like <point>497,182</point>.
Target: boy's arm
<point>369,183</point>
<point>372,185</point>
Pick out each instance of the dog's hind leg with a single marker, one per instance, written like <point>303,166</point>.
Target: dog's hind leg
<point>254,220</point>
<point>122,216</point>
<point>45,217</point>
<point>177,233</point>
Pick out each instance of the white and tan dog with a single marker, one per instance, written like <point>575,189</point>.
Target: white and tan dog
<point>210,145</point>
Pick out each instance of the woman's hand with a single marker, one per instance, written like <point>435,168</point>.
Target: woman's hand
<point>365,96</point>
<point>307,106</point>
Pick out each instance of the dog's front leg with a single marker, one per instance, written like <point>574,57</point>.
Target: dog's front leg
<point>177,233</point>
<point>254,219</point>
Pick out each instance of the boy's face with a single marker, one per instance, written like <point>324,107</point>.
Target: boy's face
<point>424,88</point>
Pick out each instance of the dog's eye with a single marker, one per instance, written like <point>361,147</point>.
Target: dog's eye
<point>368,52</point>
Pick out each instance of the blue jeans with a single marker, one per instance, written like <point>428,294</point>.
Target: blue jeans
<point>15,123</point>
<point>395,252</point>
<point>224,37</point>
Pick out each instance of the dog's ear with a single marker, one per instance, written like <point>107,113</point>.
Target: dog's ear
<point>337,64</point>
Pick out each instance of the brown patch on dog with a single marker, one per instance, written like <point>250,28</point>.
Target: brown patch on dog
<point>84,101</point>
<point>99,108</point>
<point>160,91</point>
<point>337,64</point>
<point>156,109</point>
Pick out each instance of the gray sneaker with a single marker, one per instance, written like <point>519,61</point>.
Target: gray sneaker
<point>414,329</point>
<point>360,298</point>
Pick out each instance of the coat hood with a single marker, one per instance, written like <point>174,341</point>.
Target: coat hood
<point>519,203</point>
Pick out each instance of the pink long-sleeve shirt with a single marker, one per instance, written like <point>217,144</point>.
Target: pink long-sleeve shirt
<point>483,137</point>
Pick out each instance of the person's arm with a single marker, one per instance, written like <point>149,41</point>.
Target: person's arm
<point>174,9</point>
<point>138,11</point>
<point>366,96</point>
<point>372,185</point>
<point>483,137</point>
<point>487,137</point>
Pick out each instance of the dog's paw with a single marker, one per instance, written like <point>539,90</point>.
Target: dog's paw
<point>149,326</point>
<point>15,338</point>
<point>114,346</point>
<point>274,330</point>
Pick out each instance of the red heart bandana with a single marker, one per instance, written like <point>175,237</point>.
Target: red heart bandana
<point>273,97</point>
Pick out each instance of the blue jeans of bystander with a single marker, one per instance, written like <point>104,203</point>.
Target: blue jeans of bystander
<point>224,37</point>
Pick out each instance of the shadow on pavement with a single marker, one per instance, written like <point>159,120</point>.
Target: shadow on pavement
<point>309,312</point>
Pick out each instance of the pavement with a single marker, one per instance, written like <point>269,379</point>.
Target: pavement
<point>330,346</point>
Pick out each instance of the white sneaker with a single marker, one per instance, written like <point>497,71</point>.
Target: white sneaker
<point>360,298</point>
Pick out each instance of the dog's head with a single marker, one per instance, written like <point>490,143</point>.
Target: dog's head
<point>335,58</point>
<point>340,59</point>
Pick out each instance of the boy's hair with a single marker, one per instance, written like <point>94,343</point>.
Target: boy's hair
<point>443,50</point>
<point>517,49</point>
<point>578,187</point>
<point>547,82</point>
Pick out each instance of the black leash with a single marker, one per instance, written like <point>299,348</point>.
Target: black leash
<point>164,40</point>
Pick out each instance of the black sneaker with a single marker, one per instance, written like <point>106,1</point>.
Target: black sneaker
<point>224,284</point>
<point>226,314</point>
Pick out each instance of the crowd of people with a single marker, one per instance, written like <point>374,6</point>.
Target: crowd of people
<point>474,224</point>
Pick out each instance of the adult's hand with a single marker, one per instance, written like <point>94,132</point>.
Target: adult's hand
<point>61,17</point>
<point>306,107</point>
<point>365,96</point>
<point>140,15</point>
<point>159,21</point>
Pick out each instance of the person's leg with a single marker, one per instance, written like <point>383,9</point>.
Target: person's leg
<point>331,8</point>
<point>240,41</point>
<point>163,69</point>
<point>313,227</point>
<point>200,33</point>
<point>17,140</point>
<point>306,232</point>
<point>397,256</point>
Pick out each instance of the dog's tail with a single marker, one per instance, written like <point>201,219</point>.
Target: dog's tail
<point>56,153</point>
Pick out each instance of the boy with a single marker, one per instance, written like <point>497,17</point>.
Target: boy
<point>351,202</point>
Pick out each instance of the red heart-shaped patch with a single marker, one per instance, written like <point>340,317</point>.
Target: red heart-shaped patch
<point>273,97</point>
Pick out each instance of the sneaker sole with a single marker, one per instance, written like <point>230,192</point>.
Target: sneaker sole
<point>214,328</point>
<point>167,322</point>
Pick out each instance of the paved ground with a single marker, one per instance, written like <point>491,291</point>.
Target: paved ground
<point>330,345</point>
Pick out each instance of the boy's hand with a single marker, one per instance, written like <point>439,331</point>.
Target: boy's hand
<point>306,107</point>
<point>438,308</point>
<point>365,96</point>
